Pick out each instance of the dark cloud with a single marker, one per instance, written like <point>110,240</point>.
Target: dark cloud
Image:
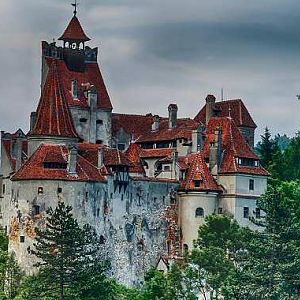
<point>154,52</point>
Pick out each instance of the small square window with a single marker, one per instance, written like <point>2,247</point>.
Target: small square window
<point>99,122</point>
<point>197,183</point>
<point>59,190</point>
<point>83,120</point>
<point>22,238</point>
<point>251,184</point>
<point>246,212</point>
<point>36,210</point>
<point>40,190</point>
<point>166,168</point>
<point>121,146</point>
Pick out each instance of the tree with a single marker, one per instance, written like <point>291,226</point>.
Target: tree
<point>267,148</point>
<point>69,256</point>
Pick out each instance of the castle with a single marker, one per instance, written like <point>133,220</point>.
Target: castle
<point>144,182</point>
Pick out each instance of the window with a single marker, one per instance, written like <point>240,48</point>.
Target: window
<point>121,146</point>
<point>99,142</point>
<point>251,184</point>
<point>197,183</point>
<point>99,122</point>
<point>36,210</point>
<point>59,190</point>
<point>102,240</point>
<point>83,120</point>
<point>3,189</point>
<point>185,248</point>
<point>74,89</point>
<point>98,212</point>
<point>257,213</point>
<point>22,238</point>
<point>220,210</point>
<point>246,212</point>
<point>199,212</point>
<point>40,190</point>
<point>167,168</point>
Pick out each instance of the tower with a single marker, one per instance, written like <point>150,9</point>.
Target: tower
<point>81,83</point>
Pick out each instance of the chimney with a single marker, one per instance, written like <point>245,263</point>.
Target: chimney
<point>72,163</point>
<point>156,123</point>
<point>197,139</point>
<point>174,165</point>
<point>215,152</point>
<point>92,101</point>
<point>19,144</point>
<point>100,157</point>
<point>32,120</point>
<point>210,103</point>
<point>172,115</point>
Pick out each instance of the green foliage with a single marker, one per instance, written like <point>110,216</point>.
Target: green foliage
<point>70,261</point>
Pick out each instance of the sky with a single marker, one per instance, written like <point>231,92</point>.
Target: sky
<point>156,52</point>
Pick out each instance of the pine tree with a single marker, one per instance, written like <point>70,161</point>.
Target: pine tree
<point>69,256</point>
<point>267,148</point>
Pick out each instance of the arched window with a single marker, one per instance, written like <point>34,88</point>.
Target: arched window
<point>199,212</point>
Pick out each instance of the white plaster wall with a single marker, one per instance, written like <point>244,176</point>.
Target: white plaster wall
<point>188,203</point>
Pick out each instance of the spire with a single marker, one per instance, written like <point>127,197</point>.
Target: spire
<point>53,115</point>
<point>75,7</point>
<point>74,31</point>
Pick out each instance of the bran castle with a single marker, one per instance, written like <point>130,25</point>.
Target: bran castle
<point>144,182</point>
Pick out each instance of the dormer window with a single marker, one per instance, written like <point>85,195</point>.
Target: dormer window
<point>74,89</point>
<point>248,162</point>
<point>54,165</point>
<point>197,183</point>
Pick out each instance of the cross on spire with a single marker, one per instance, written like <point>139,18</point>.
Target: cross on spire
<point>75,4</point>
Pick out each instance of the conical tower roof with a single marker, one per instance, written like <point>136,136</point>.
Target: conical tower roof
<point>74,32</point>
<point>53,115</point>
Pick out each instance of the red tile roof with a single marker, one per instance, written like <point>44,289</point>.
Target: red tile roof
<point>34,169</point>
<point>183,130</point>
<point>74,32</point>
<point>53,115</point>
<point>234,146</point>
<point>234,108</point>
<point>92,75</point>
<point>134,125</point>
<point>133,153</point>
<point>198,171</point>
<point>140,128</point>
<point>155,153</point>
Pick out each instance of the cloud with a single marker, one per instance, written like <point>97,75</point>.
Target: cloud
<point>156,52</point>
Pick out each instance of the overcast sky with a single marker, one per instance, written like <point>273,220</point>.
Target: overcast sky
<point>154,52</point>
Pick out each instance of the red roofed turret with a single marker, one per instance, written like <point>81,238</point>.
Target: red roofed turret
<point>74,32</point>
<point>53,115</point>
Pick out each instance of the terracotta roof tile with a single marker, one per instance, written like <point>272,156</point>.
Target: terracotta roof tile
<point>34,168</point>
<point>155,153</point>
<point>234,146</point>
<point>133,153</point>
<point>74,32</point>
<point>234,108</point>
<point>53,115</point>
<point>198,171</point>
<point>140,128</point>
<point>91,75</point>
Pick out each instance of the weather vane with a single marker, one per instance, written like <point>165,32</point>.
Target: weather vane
<point>75,7</point>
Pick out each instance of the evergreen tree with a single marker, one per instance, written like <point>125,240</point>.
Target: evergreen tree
<point>267,148</point>
<point>69,257</point>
